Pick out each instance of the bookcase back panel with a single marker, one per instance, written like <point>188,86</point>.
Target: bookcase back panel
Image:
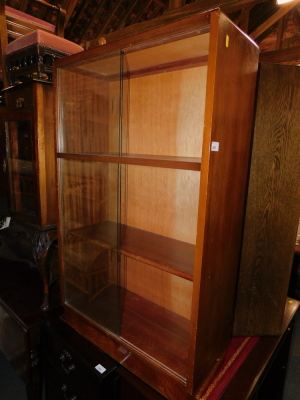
<point>157,129</point>
<point>160,287</point>
<point>161,200</point>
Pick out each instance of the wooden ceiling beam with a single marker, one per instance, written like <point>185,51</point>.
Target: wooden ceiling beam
<point>244,19</point>
<point>78,16</point>
<point>296,15</point>
<point>23,5</point>
<point>142,11</point>
<point>231,6</point>
<point>279,56</point>
<point>156,11</point>
<point>69,6</point>
<point>100,5</point>
<point>176,4</point>
<point>111,14</point>
<point>283,10</point>
<point>124,17</point>
<point>227,6</point>
<point>160,3</point>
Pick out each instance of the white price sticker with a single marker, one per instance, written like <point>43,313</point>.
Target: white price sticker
<point>214,146</point>
<point>100,368</point>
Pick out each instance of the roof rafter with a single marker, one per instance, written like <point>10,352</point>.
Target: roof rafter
<point>283,10</point>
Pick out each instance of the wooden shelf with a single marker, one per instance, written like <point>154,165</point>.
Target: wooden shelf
<point>185,163</point>
<point>168,254</point>
<point>163,335</point>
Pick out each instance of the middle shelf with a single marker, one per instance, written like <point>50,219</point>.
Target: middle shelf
<point>175,162</point>
<point>171,255</point>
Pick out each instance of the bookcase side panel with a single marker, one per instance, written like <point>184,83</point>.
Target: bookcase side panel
<point>225,168</point>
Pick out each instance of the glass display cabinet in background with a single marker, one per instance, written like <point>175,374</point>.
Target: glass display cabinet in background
<point>21,168</point>
<point>154,137</point>
<point>29,126</point>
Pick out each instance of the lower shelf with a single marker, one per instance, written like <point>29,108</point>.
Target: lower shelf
<point>145,328</point>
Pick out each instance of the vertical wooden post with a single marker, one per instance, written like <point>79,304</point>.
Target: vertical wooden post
<point>176,4</point>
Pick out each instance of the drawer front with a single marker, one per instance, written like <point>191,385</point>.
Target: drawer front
<point>69,364</point>
<point>57,386</point>
<point>20,99</point>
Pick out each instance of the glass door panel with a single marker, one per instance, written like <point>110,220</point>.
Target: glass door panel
<point>89,112</point>
<point>22,167</point>
<point>172,74</point>
<point>89,221</point>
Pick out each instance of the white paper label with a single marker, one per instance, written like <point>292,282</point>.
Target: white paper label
<point>100,368</point>
<point>214,146</point>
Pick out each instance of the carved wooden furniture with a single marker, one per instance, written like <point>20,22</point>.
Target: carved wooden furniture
<point>19,23</point>
<point>36,44</point>
<point>14,24</point>
<point>32,55</point>
<point>273,204</point>
<point>29,125</point>
<point>138,119</point>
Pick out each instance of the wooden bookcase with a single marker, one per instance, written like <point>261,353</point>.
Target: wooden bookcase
<point>273,204</point>
<point>154,136</point>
